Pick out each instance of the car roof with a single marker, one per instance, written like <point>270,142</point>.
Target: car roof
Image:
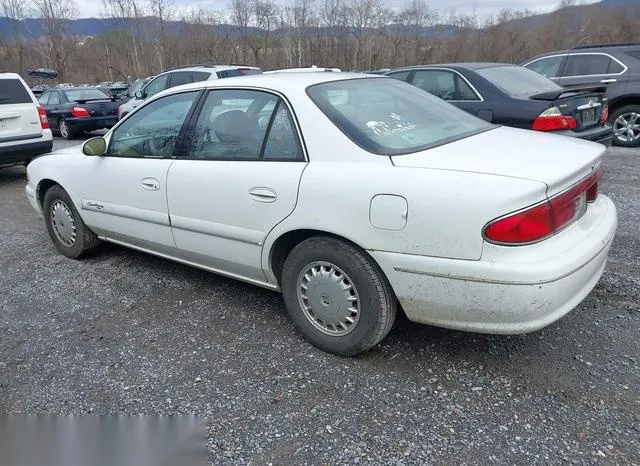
<point>8,75</point>
<point>468,65</point>
<point>210,68</point>
<point>280,82</point>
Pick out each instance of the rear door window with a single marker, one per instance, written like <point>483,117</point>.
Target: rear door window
<point>439,83</point>
<point>400,75</point>
<point>588,65</point>
<point>12,91</point>
<point>180,78</point>
<point>54,98</point>
<point>549,67</point>
<point>464,91</point>
<point>238,72</point>
<point>44,98</point>
<point>200,76</point>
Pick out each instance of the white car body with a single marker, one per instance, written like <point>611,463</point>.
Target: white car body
<point>310,69</point>
<point>24,129</point>
<point>419,216</point>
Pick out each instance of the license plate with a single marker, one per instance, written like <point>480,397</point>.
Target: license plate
<point>588,116</point>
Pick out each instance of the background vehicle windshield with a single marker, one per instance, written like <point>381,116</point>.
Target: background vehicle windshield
<point>518,81</point>
<point>389,117</point>
<point>77,95</point>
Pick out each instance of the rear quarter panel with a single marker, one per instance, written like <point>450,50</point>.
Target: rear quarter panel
<point>446,213</point>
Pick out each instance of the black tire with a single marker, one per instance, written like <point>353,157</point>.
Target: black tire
<point>85,240</point>
<point>376,301</point>
<point>613,118</point>
<point>67,134</point>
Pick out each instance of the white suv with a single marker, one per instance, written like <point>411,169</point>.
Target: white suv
<point>24,129</point>
<point>184,75</point>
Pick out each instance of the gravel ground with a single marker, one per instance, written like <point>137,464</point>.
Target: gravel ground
<point>125,332</point>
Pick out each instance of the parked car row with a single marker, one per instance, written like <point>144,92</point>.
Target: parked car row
<point>616,66</point>
<point>356,196</point>
<point>511,95</point>
<point>183,75</point>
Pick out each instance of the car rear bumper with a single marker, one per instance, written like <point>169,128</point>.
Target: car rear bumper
<point>22,152</point>
<point>92,123</point>
<point>600,134</point>
<point>519,293</point>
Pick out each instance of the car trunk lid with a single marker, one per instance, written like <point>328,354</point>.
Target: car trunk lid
<point>98,108</point>
<point>557,161</point>
<point>584,104</point>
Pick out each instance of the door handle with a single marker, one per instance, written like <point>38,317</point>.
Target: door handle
<point>608,81</point>
<point>150,183</point>
<point>263,194</point>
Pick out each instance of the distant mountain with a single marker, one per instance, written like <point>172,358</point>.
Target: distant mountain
<point>33,28</point>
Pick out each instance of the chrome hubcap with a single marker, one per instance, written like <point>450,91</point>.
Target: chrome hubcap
<point>64,129</point>
<point>627,127</point>
<point>328,298</point>
<point>64,226</point>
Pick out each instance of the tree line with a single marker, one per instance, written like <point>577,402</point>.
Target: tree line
<point>153,35</point>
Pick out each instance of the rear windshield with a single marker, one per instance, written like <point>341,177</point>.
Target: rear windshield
<point>233,73</point>
<point>77,95</point>
<point>12,91</point>
<point>389,117</point>
<point>518,81</point>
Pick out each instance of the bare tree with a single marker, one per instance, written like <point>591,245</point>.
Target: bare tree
<point>13,10</point>
<point>162,11</point>
<point>56,15</point>
<point>130,12</point>
<point>241,12</point>
<point>266,17</point>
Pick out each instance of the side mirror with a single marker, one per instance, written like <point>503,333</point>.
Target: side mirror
<point>95,146</point>
<point>140,95</point>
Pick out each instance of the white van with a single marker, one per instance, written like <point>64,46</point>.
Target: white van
<point>24,128</point>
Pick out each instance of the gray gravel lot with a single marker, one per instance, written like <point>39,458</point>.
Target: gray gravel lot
<point>124,332</point>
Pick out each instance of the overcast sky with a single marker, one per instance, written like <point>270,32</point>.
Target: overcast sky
<point>482,8</point>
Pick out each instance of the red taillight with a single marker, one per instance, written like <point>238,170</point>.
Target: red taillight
<point>553,120</point>
<point>79,112</point>
<point>523,227</point>
<point>547,218</point>
<point>44,122</point>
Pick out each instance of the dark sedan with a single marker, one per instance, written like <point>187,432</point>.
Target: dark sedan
<point>511,95</point>
<point>71,111</point>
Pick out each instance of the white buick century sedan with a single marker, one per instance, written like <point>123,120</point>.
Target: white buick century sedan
<point>353,195</point>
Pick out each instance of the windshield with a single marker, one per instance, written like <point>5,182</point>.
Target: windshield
<point>389,117</point>
<point>518,81</point>
<point>78,95</point>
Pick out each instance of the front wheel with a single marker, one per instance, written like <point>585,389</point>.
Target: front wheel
<point>65,130</point>
<point>65,226</point>
<point>337,297</point>
<point>626,126</point>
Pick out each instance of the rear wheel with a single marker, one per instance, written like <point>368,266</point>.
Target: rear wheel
<point>337,297</point>
<point>65,226</point>
<point>626,126</point>
<point>65,130</point>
